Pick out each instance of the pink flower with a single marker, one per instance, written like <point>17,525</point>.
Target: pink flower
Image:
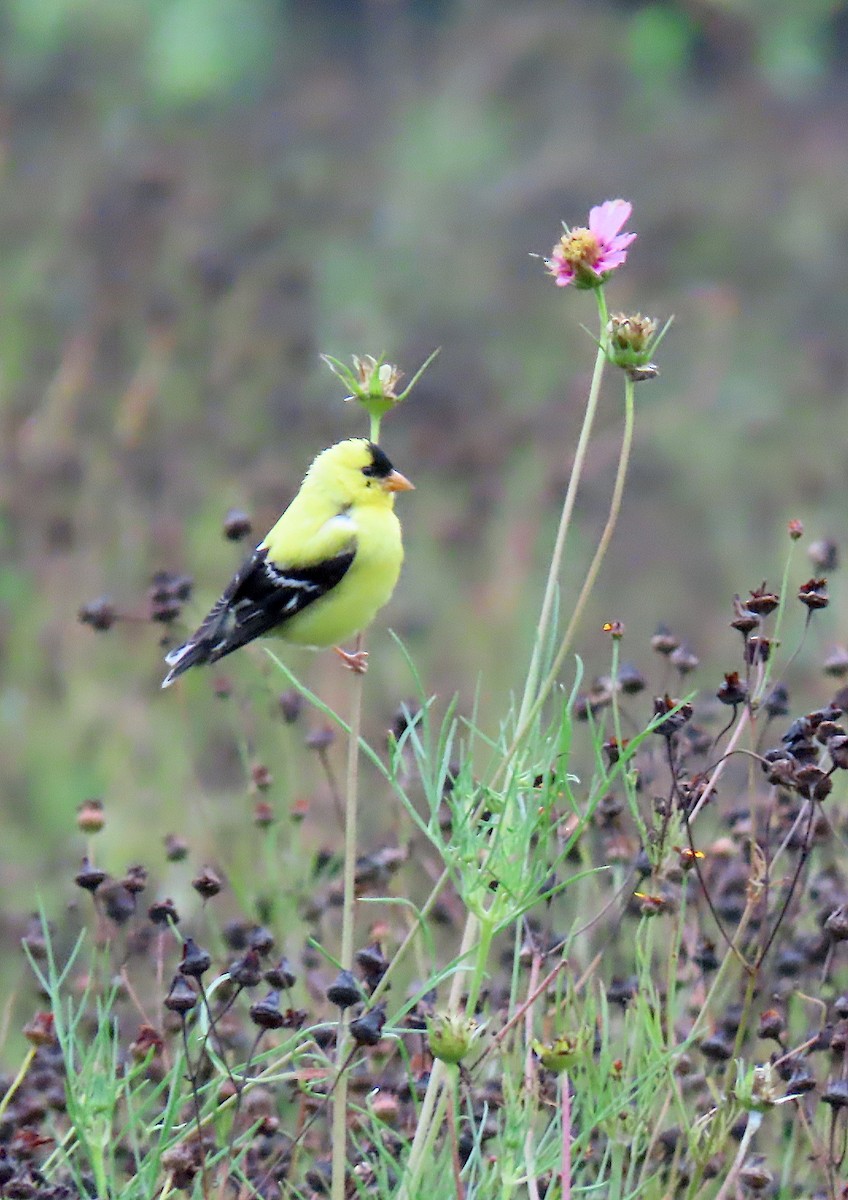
<point>585,257</point>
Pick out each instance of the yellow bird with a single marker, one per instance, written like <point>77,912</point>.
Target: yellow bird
<point>322,573</point>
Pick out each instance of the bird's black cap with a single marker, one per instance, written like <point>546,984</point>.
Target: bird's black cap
<point>380,467</point>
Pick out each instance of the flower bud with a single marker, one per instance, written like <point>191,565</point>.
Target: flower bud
<point>90,816</point>
<point>451,1035</point>
<point>561,1053</point>
<point>758,1088</point>
<point>373,383</point>
<point>630,344</point>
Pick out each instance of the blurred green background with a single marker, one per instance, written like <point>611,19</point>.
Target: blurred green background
<point>200,196</point>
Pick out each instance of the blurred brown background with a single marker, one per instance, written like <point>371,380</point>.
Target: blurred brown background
<point>200,196</point>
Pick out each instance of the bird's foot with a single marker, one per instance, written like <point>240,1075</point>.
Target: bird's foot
<point>356,662</point>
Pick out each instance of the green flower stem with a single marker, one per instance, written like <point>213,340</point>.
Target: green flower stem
<point>532,702</point>
<point>565,517</point>
<point>565,1153</point>
<point>778,621</point>
<point>18,1080</point>
<point>728,1188</point>
<point>533,710</point>
<point>741,726</point>
<point>429,1120</point>
<point>626,779</point>
<point>432,1112</point>
<point>346,958</point>
<point>486,932</point>
<point>375,428</point>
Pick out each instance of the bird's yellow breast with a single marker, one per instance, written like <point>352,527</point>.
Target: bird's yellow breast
<point>365,589</point>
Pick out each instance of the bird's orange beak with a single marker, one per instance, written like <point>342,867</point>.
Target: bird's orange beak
<point>395,482</point>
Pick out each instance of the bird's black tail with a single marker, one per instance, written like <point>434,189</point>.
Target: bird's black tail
<point>190,654</point>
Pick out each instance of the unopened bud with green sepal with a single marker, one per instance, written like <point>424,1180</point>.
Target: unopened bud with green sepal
<point>451,1035</point>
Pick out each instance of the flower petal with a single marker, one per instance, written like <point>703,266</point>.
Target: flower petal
<point>605,220</point>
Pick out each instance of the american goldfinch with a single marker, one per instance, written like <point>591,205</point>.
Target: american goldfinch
<point>324,570</point>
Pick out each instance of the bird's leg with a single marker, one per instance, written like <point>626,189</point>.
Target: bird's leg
<point>356,662</point>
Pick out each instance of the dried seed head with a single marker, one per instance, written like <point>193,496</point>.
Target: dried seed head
<point>836,663</point>
<point>758,650</point>
<point>664,641</point>
<point>167,594</point>
<point>261,777</point>
<point>320,738</point>
<point>837,748</point>
<point>181,997</point>
<point>705,955</point>
<point>163,912</point>
<point>237,525</point>
<point>613,750</point>
<point>744,619</point>
<point>836,925</point>
<point>771,1025</point>
<point>263,814</point>
<point>291,705</point>
<point>599,696</point>
<point>717,1047</point>
<point>733,691</point>
<point>147,1041</point>
<point>762,601</point>
<point>836,1094</point>
<point>813,594</point>
<point>372,962</point>
<point>776,702</point>
<point>801,1080</point>
<point>344,990</point>
<point>176,847</point>
<point>779,768</point>
<point>100,614</point>
<point>622,991</point>
<point>266,1013</point>
<point>368,1029</point>
<point>630,680</point>
<point>246,971</point>
<point>281,975</point>
<point>261,939</point>
<point>683,659</point>
<point>118,901</point>
<point>207,884</point>
<point>135,879</point>
<point>195,961</point>
<point>813,782</point>
<point>615,629</point>
<point>827,730</point>
<point>824,555</point>
<point>755,1177</point>
<point>90,816</point>
<point>40,1030</point>
<point>89,877</point>
<point>674,714</point>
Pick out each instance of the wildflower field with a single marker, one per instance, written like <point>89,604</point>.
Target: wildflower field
<point>551,899</point>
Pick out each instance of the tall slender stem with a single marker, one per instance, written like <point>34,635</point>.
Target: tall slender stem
<point>591,575</point>
<point>565,517</point>
<point>534,696</point>
<point>346,957</point>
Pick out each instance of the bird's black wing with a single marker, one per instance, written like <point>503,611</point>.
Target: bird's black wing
<point>260,597</point>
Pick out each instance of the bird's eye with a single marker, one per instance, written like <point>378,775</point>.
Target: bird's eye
<point>370,470</point>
